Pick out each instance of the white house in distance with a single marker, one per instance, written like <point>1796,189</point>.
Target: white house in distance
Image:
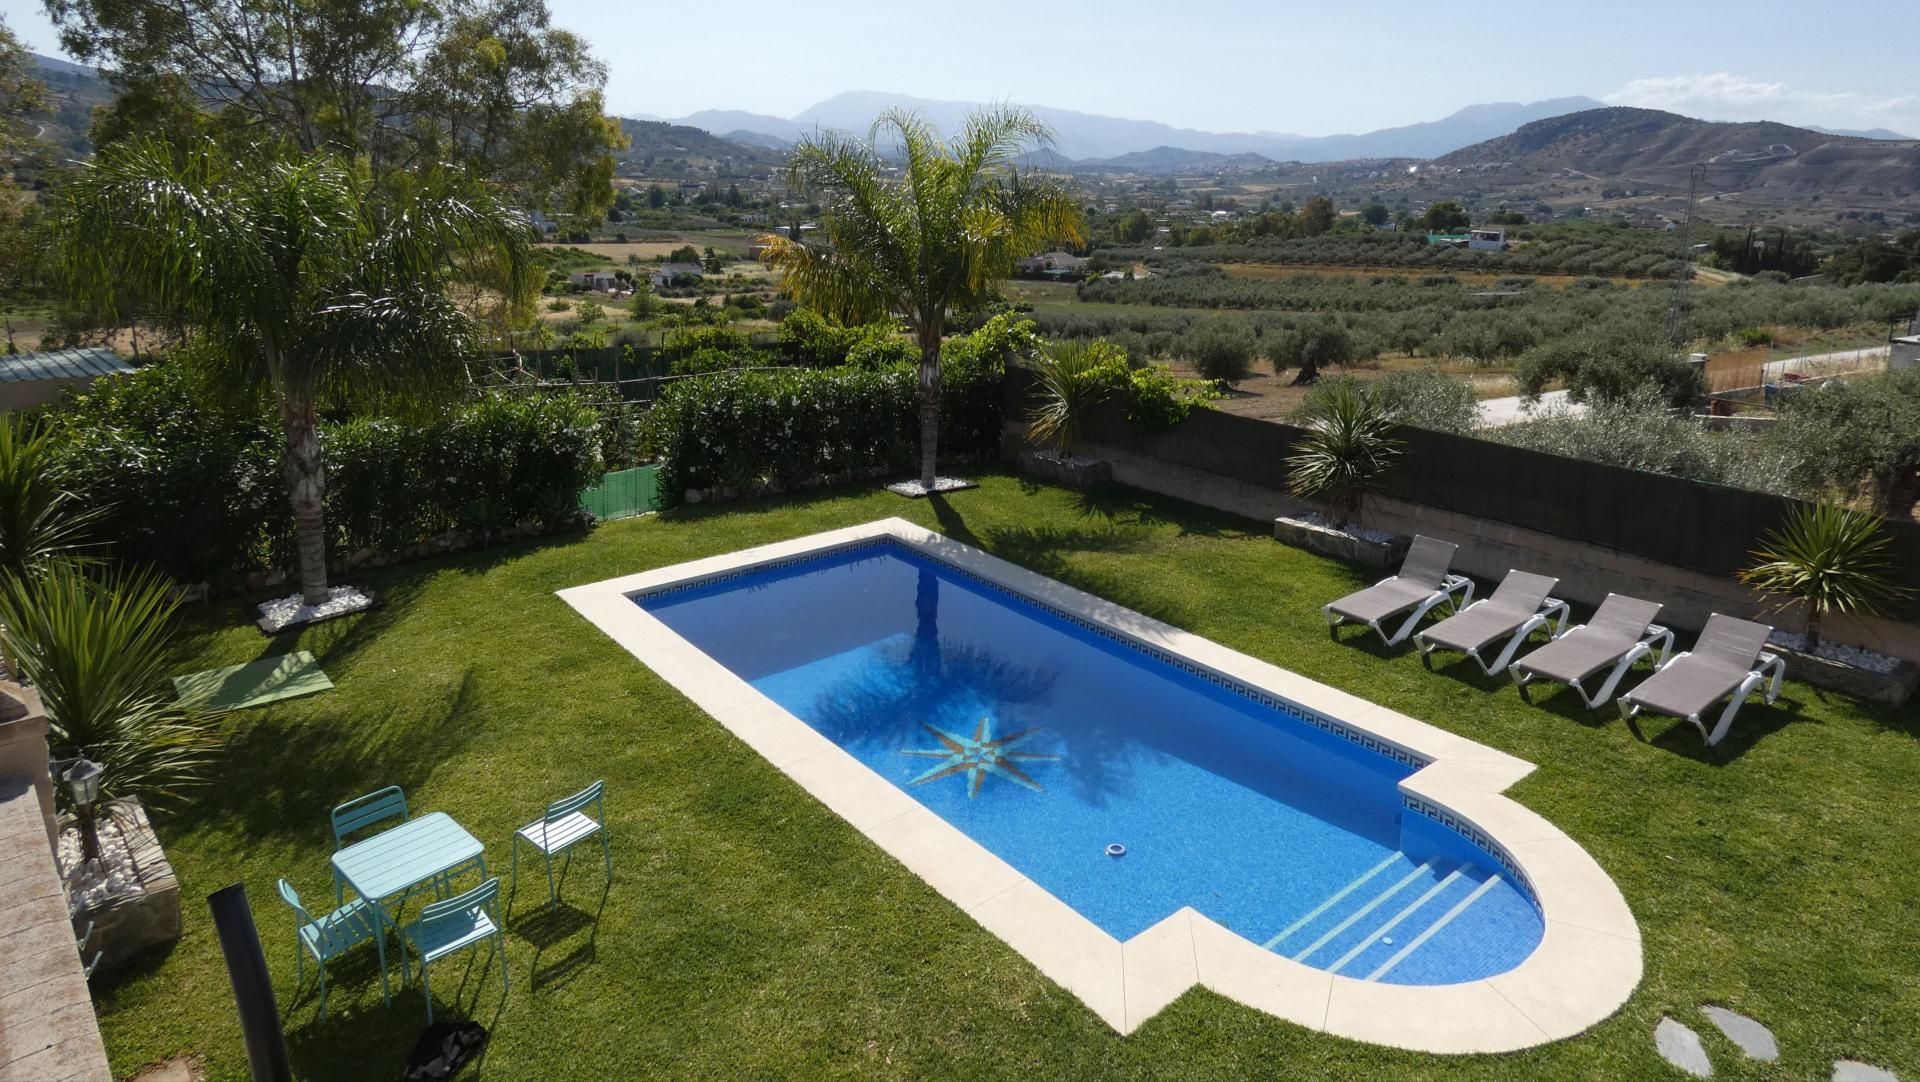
<point>1487,239</point>
<point>1053,264</point>
<point>34,379</point>
<point>600,281</point>
<point>673,274</point>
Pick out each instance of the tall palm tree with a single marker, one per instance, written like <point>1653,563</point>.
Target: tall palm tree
<point>957,221</point>
<point>305,286</point>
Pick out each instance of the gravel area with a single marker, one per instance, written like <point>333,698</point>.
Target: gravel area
<point>285,612</point>
<point>1856,656</point>
<point>112,876</point>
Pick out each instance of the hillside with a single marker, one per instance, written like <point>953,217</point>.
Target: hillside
<point>1633,147</point>
<point>658,148</point>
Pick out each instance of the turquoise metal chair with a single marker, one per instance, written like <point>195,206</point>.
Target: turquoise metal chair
<point>565,825</point>
<point>326,938</point>
<point>365,811</point>
<point>450,926</point>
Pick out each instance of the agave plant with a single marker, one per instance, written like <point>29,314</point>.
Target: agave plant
<point>1832,558</point>
<point>1347,446</point>
<point>41,522</point>
<point>99,651</point>
<point>1070,379</point>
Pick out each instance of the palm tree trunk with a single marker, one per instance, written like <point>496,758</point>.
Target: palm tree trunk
<point>306,475</point>
<point>929,406</point>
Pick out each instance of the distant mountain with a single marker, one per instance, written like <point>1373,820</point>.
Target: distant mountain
<point>660,140</point>
<point>58,66</point>
<point>1092,137</point>
<point>1870,133</point>
<point>757,139</point>
<point>1647,146</point>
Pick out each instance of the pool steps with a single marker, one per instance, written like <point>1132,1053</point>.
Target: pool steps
<point>1432,895</point>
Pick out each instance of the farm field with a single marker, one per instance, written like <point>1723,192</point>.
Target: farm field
<point>1273,271</point>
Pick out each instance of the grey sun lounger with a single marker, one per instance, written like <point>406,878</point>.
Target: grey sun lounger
<point>1519,607</point>
<point>1728,662</point>
<point>1423,582</point>
<point>1621,632</point>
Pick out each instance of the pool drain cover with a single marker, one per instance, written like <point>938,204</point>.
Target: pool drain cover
<point>1116,850</point>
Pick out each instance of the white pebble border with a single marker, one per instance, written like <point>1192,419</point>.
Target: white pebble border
<point>1856,656</point>
<point>1315,518</point>
<point>112,876</point>
<point>914,489</point>
<point>285,612</point>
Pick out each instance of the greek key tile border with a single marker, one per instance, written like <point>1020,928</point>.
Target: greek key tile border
<point>1474,834</point>
<point>1284,707</point>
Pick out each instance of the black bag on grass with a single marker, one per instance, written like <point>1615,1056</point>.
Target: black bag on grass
<point>444,1048</point>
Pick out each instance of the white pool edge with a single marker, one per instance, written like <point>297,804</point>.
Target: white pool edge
<point>1587,963</point>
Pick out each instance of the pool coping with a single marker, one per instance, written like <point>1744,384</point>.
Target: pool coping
<point>1587,963</point>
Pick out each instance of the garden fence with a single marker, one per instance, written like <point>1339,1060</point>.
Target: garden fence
<point>623,494</point>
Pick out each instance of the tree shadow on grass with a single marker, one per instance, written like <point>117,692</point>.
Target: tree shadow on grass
<point>281,775</point>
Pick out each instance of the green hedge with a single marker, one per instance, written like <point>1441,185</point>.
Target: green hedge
<point>785,429</point>
<point>198,491</point>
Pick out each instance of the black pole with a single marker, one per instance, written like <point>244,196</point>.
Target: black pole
<point>252,987</point>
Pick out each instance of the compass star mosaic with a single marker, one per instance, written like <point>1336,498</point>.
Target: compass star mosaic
<point>978,756</point>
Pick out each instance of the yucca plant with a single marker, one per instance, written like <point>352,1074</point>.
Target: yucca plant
<point>1347,447</point>
<point>1070,378</point>
<point>99,651</point>
<point>1832,558</point>
<point>41,522</point>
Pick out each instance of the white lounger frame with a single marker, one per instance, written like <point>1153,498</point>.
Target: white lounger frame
<point>1549,608</point>
<point>1449,587</point>
<point>1655,634</point>
<point>1778,665</point>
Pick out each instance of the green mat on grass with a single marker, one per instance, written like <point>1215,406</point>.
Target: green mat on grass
<point>269,679</point>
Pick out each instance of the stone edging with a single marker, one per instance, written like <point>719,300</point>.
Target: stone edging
<point>1586,965</point>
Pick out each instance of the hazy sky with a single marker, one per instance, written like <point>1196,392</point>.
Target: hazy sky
<point>1242,66</point>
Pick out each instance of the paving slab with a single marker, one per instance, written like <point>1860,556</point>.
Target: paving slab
<point>1852,1070</point>
<point>1753,1038</point>
<point>1681,1047</point>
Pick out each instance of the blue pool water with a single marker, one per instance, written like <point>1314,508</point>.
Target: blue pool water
<point>1047,742</point>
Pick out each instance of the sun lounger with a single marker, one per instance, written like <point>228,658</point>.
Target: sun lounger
<point>1423,582</point>
<point>1728,662</point>
<point>1519,607</point>
<point>1621,632</point>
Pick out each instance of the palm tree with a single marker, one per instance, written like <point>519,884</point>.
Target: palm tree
<point>1832,558</point>
<point>955,223</point>
<point>304,285</point>
<point>1346,447</point>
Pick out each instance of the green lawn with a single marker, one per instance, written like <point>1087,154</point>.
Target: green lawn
<point>750,933</point>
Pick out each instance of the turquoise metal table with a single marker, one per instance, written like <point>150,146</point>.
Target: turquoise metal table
<point>394,861</point>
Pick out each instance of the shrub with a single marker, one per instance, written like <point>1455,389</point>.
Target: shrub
<point>196,491</point>
<point>1424,398</point>
<point>798,426</point>
<point>1070,378</point>
<point>1609,364</point>
<point>1640,432</point>
<point>1345,449</point>
<point>1832,560</point>
<point>1221,349</point>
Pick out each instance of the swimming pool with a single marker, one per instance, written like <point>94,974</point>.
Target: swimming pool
<point>1150,784</point>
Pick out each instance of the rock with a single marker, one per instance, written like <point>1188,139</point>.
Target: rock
<point>1753,1038</point>
<point>1681,1047</point>
<point>1852,1070</point>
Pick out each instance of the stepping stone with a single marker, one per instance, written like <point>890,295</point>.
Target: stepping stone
<point>1681,1047</point>
<point>1753,1038</point>
<point>1852,1070</point>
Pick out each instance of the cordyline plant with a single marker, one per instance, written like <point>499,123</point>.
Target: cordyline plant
<point>99,650</point>
<point>1347,447</point>
<point>304,285</point>
<point>938,238</point>
<point>1070,379</point>
<point>1833,559</point>
<point>42,522</point>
